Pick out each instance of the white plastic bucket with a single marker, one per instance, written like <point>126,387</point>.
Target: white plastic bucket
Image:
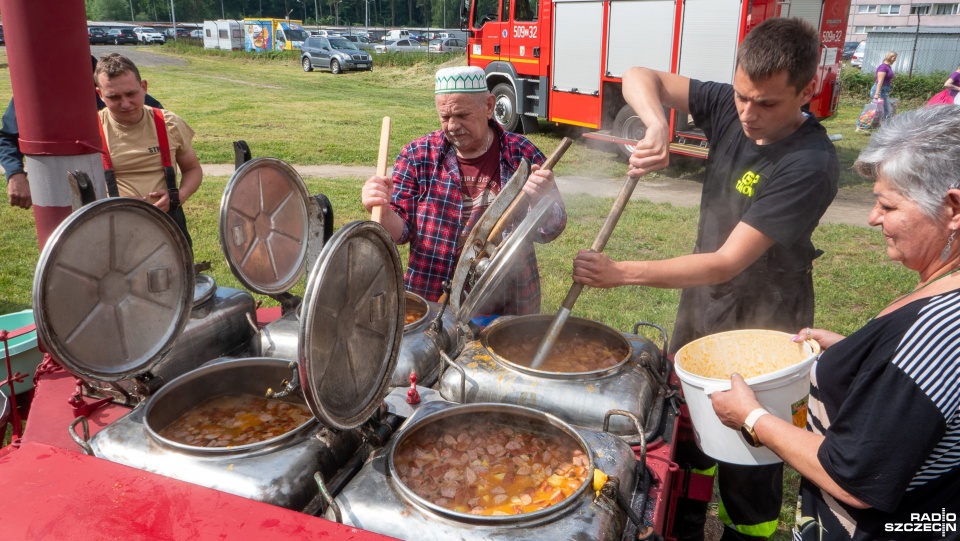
<point>776,368</point>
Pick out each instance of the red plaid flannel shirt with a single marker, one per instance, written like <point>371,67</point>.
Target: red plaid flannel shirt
<point>427,197</point>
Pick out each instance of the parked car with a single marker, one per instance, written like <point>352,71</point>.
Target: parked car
<point>857,59</point>
<point>849,48</point>
<point>97,35</point>
<point>400,45</point>
<point>196,34</point>
<point>2,42</point>
<point>180,31</point>
<point>335,54</point>
<point>360,41</point>
<point>448,45</point>
<point>119,36</point>
<point>323,33</point>
<point>145,34</point>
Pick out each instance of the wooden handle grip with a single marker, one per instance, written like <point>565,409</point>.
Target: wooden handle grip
<point>377,213</point>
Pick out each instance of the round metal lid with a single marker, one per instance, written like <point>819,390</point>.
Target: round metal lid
<point>491,273</point>
<point>264,225</point>
<point>204,288</point>
<point>351,325</point>
<point>113,289</point>
<point>477,244</point>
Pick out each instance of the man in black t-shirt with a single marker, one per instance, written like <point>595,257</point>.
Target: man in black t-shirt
<point>771,174</point>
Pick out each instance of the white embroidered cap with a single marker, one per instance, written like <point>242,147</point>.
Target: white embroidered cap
<point>460,79</point>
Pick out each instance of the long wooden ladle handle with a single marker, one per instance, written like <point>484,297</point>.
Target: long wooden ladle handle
<point>377,213</point>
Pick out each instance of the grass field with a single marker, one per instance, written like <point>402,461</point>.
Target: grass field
<point>318,118</point>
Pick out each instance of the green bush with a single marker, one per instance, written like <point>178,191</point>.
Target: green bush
<point>856,85</point>
<point>401,60</point>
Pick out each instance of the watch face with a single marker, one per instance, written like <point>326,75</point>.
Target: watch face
<point>749,435</point>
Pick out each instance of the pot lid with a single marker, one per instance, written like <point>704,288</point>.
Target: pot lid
<point>113,316</point>
<point>493,265</point>
<point>264,225</point>
<point>203,289</point>
<point>476,245</point>
<point>351,325</point>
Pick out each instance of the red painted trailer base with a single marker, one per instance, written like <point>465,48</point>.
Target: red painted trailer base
<point>52,494</point>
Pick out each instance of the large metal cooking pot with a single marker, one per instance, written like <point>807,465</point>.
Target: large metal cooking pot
<point>254,376</point>
<point>348,342</point>
<point>419,350</point>
<point>376,500</point>
<point>480,374</point>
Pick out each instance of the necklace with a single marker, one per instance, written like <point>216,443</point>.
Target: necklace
<point>918,288</point>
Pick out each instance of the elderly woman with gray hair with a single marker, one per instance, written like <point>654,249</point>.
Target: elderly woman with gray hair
<point>880,456</point>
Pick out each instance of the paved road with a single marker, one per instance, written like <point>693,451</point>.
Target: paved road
<point>851,207</point>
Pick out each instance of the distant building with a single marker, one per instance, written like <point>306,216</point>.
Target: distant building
<point>868,15</point>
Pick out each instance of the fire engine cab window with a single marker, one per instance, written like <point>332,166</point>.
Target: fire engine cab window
<point>505,15</point>
<point>526,10</point>
<point>486,11</point>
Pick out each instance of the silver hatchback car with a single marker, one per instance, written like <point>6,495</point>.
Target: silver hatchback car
<point>334,54</point>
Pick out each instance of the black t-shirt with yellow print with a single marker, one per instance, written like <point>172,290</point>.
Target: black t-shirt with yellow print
<point>782,190</point>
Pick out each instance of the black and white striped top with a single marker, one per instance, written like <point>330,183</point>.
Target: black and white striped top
<point>887,400</point>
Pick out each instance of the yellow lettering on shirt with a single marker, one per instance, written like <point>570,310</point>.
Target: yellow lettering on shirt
<point>747,182</point>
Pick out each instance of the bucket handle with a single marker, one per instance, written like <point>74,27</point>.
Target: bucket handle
<point>83,443</point>
<point>636,424</point>
<point>327,497</point>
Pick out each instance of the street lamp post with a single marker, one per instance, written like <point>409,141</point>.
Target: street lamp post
<point>132,18</point>
<point>173,19</point>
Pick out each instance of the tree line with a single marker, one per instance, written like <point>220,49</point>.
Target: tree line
<point>417,13</point>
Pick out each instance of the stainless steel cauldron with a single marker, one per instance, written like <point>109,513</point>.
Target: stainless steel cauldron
<point>480,374</point>
<point>419,352</point>
<point>376,500</point>
<point>277,471</point>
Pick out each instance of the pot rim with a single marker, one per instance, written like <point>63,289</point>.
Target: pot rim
<point>204,371</point>
<point>507,321</point>
<point>500,409</point>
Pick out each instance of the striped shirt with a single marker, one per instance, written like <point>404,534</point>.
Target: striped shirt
<point>887,401</point>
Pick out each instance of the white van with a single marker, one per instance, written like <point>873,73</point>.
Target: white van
<point>223,34</point>
<point>394,35</point>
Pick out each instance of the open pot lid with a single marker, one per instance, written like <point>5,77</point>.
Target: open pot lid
<point>113,290</point>
<point>500,259</point>
<point>265,225</point>
<point>477,244</point>
<point>351,325</point>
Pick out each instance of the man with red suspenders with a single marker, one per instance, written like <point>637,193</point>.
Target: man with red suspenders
<point>143,143</point>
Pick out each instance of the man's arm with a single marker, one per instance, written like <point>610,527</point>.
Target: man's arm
<point>648,92</point>
<point>743,247</point>
<point>191,173</point>
<point>18,189</point>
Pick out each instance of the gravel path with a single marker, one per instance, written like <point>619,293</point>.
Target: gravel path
<point>851,207</point>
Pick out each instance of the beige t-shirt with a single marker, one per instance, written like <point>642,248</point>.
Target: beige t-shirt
<point>135,151</point>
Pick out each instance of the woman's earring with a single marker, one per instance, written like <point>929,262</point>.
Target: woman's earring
<point>945,254</point>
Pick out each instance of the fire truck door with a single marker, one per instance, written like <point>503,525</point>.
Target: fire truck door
<point>627,46</point>
<point>524,37</point>
<point>576,59</point>
<point>708,39</point>
<point>491,20</point>
<point>811,11</point>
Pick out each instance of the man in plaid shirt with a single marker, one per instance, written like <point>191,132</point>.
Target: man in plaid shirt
<point>443,182</point>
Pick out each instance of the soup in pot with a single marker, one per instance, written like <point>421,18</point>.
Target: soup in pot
<point>490,469</point>
<point>570,353</point>
<point>413,314</point>
<point>236,419</point>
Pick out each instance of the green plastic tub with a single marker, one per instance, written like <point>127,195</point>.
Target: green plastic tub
<point>24,355</point>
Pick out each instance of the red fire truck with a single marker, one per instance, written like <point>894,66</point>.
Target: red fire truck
<point>562,60</point>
